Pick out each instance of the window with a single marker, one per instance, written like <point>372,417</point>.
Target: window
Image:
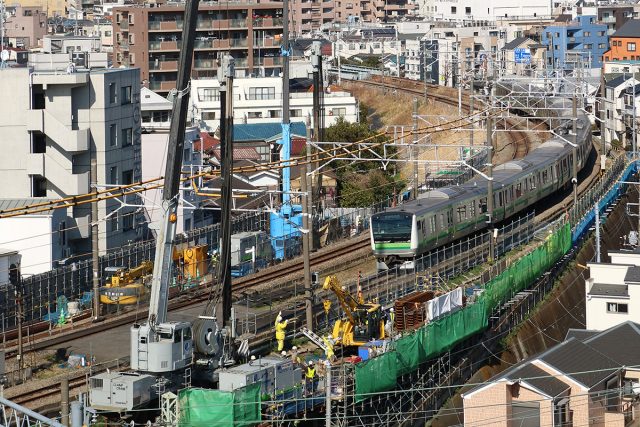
<point>467,10</point>
<point>38,186</point>
<point>274,114</point>
<point>208,94</point>
<point>107,33</point>
<point>127,177</point>
<point>295,113</point>
<point>462,213</point>
<point>208,115</point>
<point>601,33</point>
<point>113,135</point>
<point>127,221</point>
<point>587,33</point>
<point>602,46</point>
<point>454,10</point>
<point>127,137</point>
<point>614,307</point>
<point>113,221</point>
<point>186,154</point>
<point>338,112</point>
<point>113,175</point>
<point>254,114</point>
<point>160,116</point>
<point>125,95</point>
<point>588,46</point>
<point>432,224</point>
<point>256,93</point>
<point>112,93</point>
<point>631,47</point>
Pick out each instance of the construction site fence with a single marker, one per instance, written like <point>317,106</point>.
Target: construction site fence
<point>208,407</point>
<point>411,350</point>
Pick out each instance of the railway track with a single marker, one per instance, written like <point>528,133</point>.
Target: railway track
<point>519,139</point>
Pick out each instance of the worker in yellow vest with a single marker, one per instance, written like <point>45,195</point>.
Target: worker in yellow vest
<point>281,326</point>
<point>310,376</point>
<point>328,343</point>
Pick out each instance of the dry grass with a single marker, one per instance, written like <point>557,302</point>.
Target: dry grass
<point>391,108</point>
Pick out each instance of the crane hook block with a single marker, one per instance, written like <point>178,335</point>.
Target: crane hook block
<point>173,217</point>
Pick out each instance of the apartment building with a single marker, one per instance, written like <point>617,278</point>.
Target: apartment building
<point>314,15</point>
<point>150,38</point>
<point>478,10</point>
<point>52,8</point>
<point>57,117</point>
<point>575,43</point>
<point>614,16</point>
<point>259,100</point>
<point>617,107</point>
<point>25,26</point>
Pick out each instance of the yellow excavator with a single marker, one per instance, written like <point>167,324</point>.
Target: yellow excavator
<point>127,286</point>
<point>364,320</point>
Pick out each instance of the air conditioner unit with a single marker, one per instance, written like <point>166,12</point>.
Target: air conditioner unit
<point>80,59</point>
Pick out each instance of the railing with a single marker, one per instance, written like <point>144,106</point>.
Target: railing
<point>203,44</point>
<point>165,45</point>
<point>166,25</point>
<point>239,42</point>
<point>238,23</point>
<point>204,63</point>
<point>164,65</point>
<point>267,22</point>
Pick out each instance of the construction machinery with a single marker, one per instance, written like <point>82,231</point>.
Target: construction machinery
<point>191,262</point>
<point>127,286</point>
<point>364,320</point>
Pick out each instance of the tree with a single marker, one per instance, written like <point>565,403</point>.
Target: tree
<point>361,183</point>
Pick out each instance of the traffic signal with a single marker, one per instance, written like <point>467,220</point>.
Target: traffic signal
<point>14,274</point>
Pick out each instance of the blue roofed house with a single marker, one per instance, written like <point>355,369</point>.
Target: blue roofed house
<point>579,41</point>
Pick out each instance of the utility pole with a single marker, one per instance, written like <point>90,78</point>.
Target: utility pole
<point>575,149</point>
<point>471,114</point>
<point>64,402</point>
<point>597,212</point>
<point>458,76</point>
<point>339,60</point>
<point>2,54</point>
<point>490,177</point>
<point>327,388</point>
<point>226,74</point>
<point>18,296</point>
<point>413,148</point>
<point>397,53</point>
<point>95,250</point>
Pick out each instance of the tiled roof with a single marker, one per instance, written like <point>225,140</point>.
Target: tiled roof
<point>580,334</point>
<point>631,28</point>
<point>516,42</point>
<point>538,379</point>
<point>633,275</point>
<point>580,362</point>
<point>245,132</point>
<point>621,343</point>
<point>605,289</point>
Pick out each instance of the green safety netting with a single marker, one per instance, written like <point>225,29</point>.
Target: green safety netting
<point>206,408</point>
<point>380,374</point>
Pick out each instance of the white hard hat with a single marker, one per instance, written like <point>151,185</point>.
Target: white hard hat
<point>391,310</point>
<point>253,358</point>
<point>284,353</point>
<point>294,348</point>
<point>310,362</point>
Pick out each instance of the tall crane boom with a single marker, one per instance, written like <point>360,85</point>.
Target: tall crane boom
<point>167,231</point>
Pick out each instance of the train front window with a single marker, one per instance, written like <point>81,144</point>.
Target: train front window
<point>391,227</point>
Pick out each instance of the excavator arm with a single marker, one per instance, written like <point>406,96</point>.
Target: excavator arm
<point>348,303</point>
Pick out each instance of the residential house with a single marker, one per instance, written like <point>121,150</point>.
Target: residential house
<point>625,43</point>
<point>576,382</point>
<point>577,43</point>
<point>616,108</point>
<point>615,15</point>
<point>613,289</point>
<point>25,26</point>
<point>522,55</point>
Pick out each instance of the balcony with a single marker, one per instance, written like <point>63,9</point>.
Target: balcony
<point>165,86</point>
<point>165,46</point>
<point>75,79</point>
<point>166,25</point>
<point>82,228</point>
<point>123,45</point>
<point>267,22</point>
<point>221,44</point>
<point>267,42</point>
<point>204,25</point>
<point>609,20</point>
<point>239,43</point>
<point>241,62</point>
<point>274,61</point>
<point>64,179</point>
<point>204,63</point>
<point>163,65</point>
<point>68,139</point>
<point>35,164</point>
<point>203,44</point>
<point>124,25</point>
<point>238,23</point>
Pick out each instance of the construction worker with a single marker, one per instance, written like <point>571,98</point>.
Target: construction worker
<point>294,356</point>
<point>328,343</point>
<point>310,376</point>
<point>281,326</point>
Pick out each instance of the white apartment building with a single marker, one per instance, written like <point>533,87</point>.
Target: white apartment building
<point>482,10</point>
<point>618,107</point>
<point>156,120</point>
<point>259,100</point>
<point>613,291</point>
<point>53,118</point>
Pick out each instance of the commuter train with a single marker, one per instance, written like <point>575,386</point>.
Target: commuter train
<point>401,234</point>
